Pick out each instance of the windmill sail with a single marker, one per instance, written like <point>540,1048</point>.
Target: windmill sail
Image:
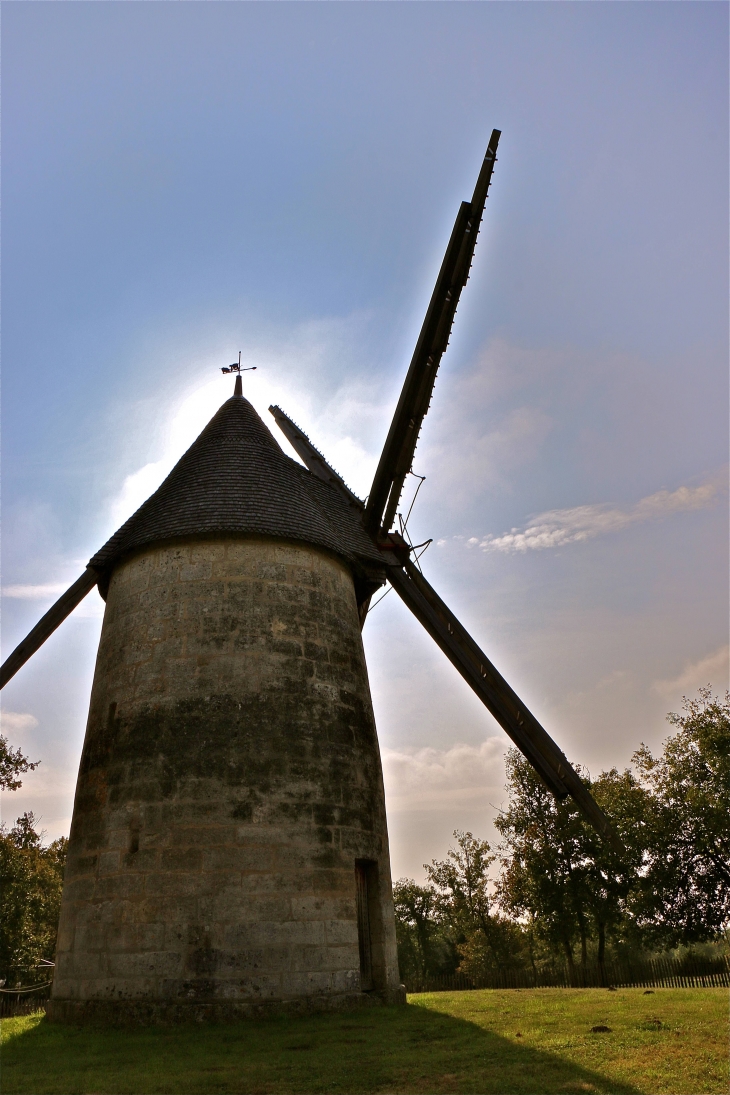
<point>311,456</point>
<point>318,466</point>
<point>397,457</point>
<point>45,627</point>
<point>465,655</point>
<point>483,678</point>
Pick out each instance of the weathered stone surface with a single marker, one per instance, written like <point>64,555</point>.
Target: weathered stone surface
<point>230,778</point>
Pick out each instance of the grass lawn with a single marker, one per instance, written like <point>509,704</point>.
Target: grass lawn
<point>534,1042</point>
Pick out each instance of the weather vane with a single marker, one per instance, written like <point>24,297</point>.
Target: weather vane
<point>236,367</point>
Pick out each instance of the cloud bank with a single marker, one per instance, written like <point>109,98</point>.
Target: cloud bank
<point>433,779</point>
<point>46,592</point>
<point>713,670</point>
<point>15,722</point>
<point>559,527</point>
<point>90,608</point>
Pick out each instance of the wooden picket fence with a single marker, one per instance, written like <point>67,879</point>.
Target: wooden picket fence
<point>24,1001</point>
<point>649,973</point>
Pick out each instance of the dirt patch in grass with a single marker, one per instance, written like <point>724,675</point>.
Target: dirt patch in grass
<point>501,1042</point>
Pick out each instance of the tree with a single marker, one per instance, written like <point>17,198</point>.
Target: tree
<point>484,939</point>
<point>611,877</point>
<point>424,946</point>
<point>31,878</point>
<point>557,872</point>
<point>685,890</point>
<point>541,877</point>
<point>564,887</point>
<point>12,765</point>
<point>462,880</point>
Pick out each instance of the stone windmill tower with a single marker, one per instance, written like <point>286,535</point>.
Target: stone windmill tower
<point>229,829</point>
<point>229,849</point>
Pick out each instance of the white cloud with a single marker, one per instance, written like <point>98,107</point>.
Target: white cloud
<point>423,779</point>
<point>559,527</point>
<point>713,669</point>
<point>48,792</point>
<point>92,606</point>
<point>47,592</point>
<point>14,723</point>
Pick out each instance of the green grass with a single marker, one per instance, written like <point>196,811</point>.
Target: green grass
<point>533,1042</point>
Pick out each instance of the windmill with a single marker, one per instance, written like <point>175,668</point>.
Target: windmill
<point>228,851</point>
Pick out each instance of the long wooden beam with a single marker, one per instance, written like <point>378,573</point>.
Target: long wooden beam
<point>465,655</point>
<point>311,456</point>
<point>400,445</point>
<point>494,692</point>
<point>65,605</point>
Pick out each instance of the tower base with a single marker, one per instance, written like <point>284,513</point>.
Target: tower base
<point>142,1012</point>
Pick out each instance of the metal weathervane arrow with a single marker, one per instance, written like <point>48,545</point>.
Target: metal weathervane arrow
<point>236,367</point>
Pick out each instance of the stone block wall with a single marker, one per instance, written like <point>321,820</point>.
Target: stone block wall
<point>230,778</point>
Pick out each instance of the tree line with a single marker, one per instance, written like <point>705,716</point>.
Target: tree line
<point>552,892</point>
<point>31,879</point>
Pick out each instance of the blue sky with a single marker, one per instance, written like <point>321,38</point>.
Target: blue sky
<point>182,181</point>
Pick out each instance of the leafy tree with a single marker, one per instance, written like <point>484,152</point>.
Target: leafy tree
<point>484,939</point>
<point>12,765</point>
<point>31,878</point>
<point>558,874</point>
<point>424,945</point>
<point>685,890</point>
<point>462,881</point>
<point>564,888</point>
<point>542,879</point>
<point>610,878</point>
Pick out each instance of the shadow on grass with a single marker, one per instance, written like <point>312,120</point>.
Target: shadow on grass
<point>409,1049</point>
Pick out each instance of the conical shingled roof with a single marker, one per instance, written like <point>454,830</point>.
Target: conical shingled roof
<point>235,479</point>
